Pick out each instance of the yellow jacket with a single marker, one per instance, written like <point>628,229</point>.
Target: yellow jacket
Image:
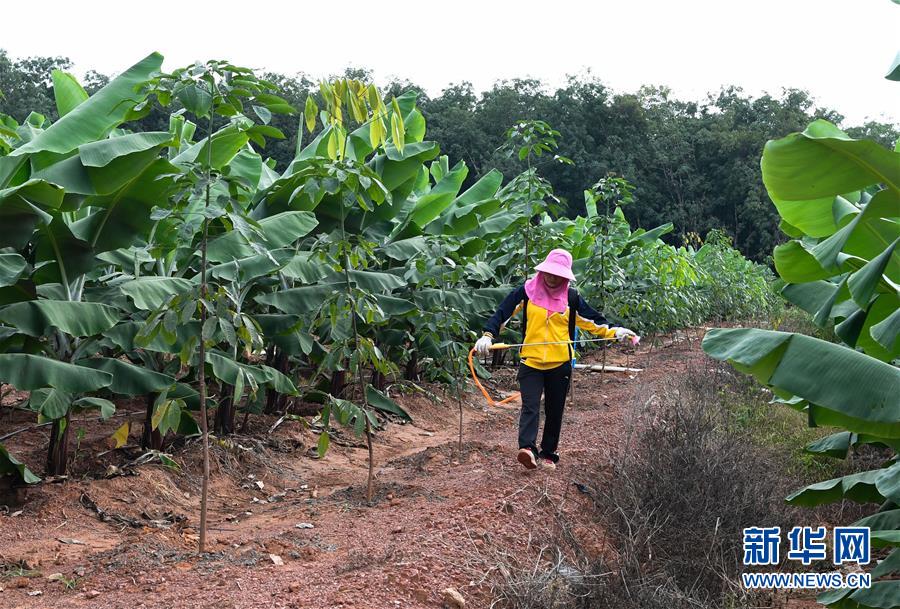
<point>543,328</point>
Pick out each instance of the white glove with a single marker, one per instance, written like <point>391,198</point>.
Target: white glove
<point>483,346</point>
<point>623,334</point>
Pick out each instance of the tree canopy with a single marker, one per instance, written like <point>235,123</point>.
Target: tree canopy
<point>695,164</point>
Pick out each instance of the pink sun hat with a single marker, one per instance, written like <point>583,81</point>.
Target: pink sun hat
<point>559,263</point>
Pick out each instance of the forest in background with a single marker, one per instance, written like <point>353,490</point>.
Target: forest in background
<point>695,164</point>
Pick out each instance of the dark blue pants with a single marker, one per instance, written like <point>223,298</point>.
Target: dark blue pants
<point>554,385</point>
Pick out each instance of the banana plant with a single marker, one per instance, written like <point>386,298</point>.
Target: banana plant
<point>69,192</point>
<point>839,199</point>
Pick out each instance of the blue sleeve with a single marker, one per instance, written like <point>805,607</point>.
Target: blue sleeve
<point>585,310</point>
<point>507,308</point>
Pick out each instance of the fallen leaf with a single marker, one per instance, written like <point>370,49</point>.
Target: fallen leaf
<point>74,542</point>
<point>121,435</point>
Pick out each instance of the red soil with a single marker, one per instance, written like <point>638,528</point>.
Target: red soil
<point>439,519</point>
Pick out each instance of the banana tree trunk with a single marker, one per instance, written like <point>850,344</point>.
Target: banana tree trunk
<point>338,382</point>
<point>224,422</point>
<point>58,453</point>
<point>276,402</point>
<point>378,380</point>
<point>151,439</point>
<point>412,367</point>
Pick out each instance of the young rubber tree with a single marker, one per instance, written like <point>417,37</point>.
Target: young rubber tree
<point>212,191</point>
<point>529,194</point>
<point>352,185</point>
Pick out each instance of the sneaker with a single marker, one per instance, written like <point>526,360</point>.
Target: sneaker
<point>548,463</point>
<point>526,458</point>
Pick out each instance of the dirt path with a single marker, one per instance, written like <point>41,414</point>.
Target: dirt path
<point>438,521</point>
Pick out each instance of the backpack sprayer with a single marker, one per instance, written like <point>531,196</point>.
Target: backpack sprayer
<point>500,346</point>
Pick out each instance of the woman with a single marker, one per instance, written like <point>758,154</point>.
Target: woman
<point>546,368</point>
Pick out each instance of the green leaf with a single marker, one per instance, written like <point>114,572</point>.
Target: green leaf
<point>264,114</point>
<point>68,257</point>
<point>225,146</point>
<point>52,404</point>
<point>881,521</point>
<point>882,595</point>
<point>398,131</point>
<point>129,379</point>
<point>106,408</point>
<point>894,71</point>
<point>252,267</point>
<point>187,426</point>
<point>226,369</point>
<point>93,119</point>
<point>880,309</point>
<point>297,300</point>
<point>796,264</point>
<point>856,487</point>
<point>845,388</point>
<point>816,218</point>
<point>151,293</point>
<point>863,282</point>
<point>888,483</point>
<point>208,330</point>
<point>823,161</point>
<point>379,401</point>
<point>393,306</point>
<point>124,334</point>
<point>650,236</point>
<point>168,461</point>
<point>103,153</point>
<point>887,331</point>
<point>865,236</point>
<point>196,98</point>
<point>30,372</point>
<point>278,231</point>
<point>167,416</point>
<point>836,445</point>
<point>68,93</point>
<point>22,207</point>
<point>310,112</point>
<point>11,465</point>
<point>11,268</point>
<point>370,281</point>
<point>124,216</point>
<point>431,205</point>
<point>882,539</point>
<point>39,317</point>
<point>323,443</point>
<point>815,297</point>
<point>889,565</point>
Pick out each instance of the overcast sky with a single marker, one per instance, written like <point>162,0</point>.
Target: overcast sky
<point>839,50</point>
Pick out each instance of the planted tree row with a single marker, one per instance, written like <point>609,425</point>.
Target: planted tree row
<point>179,267</point>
